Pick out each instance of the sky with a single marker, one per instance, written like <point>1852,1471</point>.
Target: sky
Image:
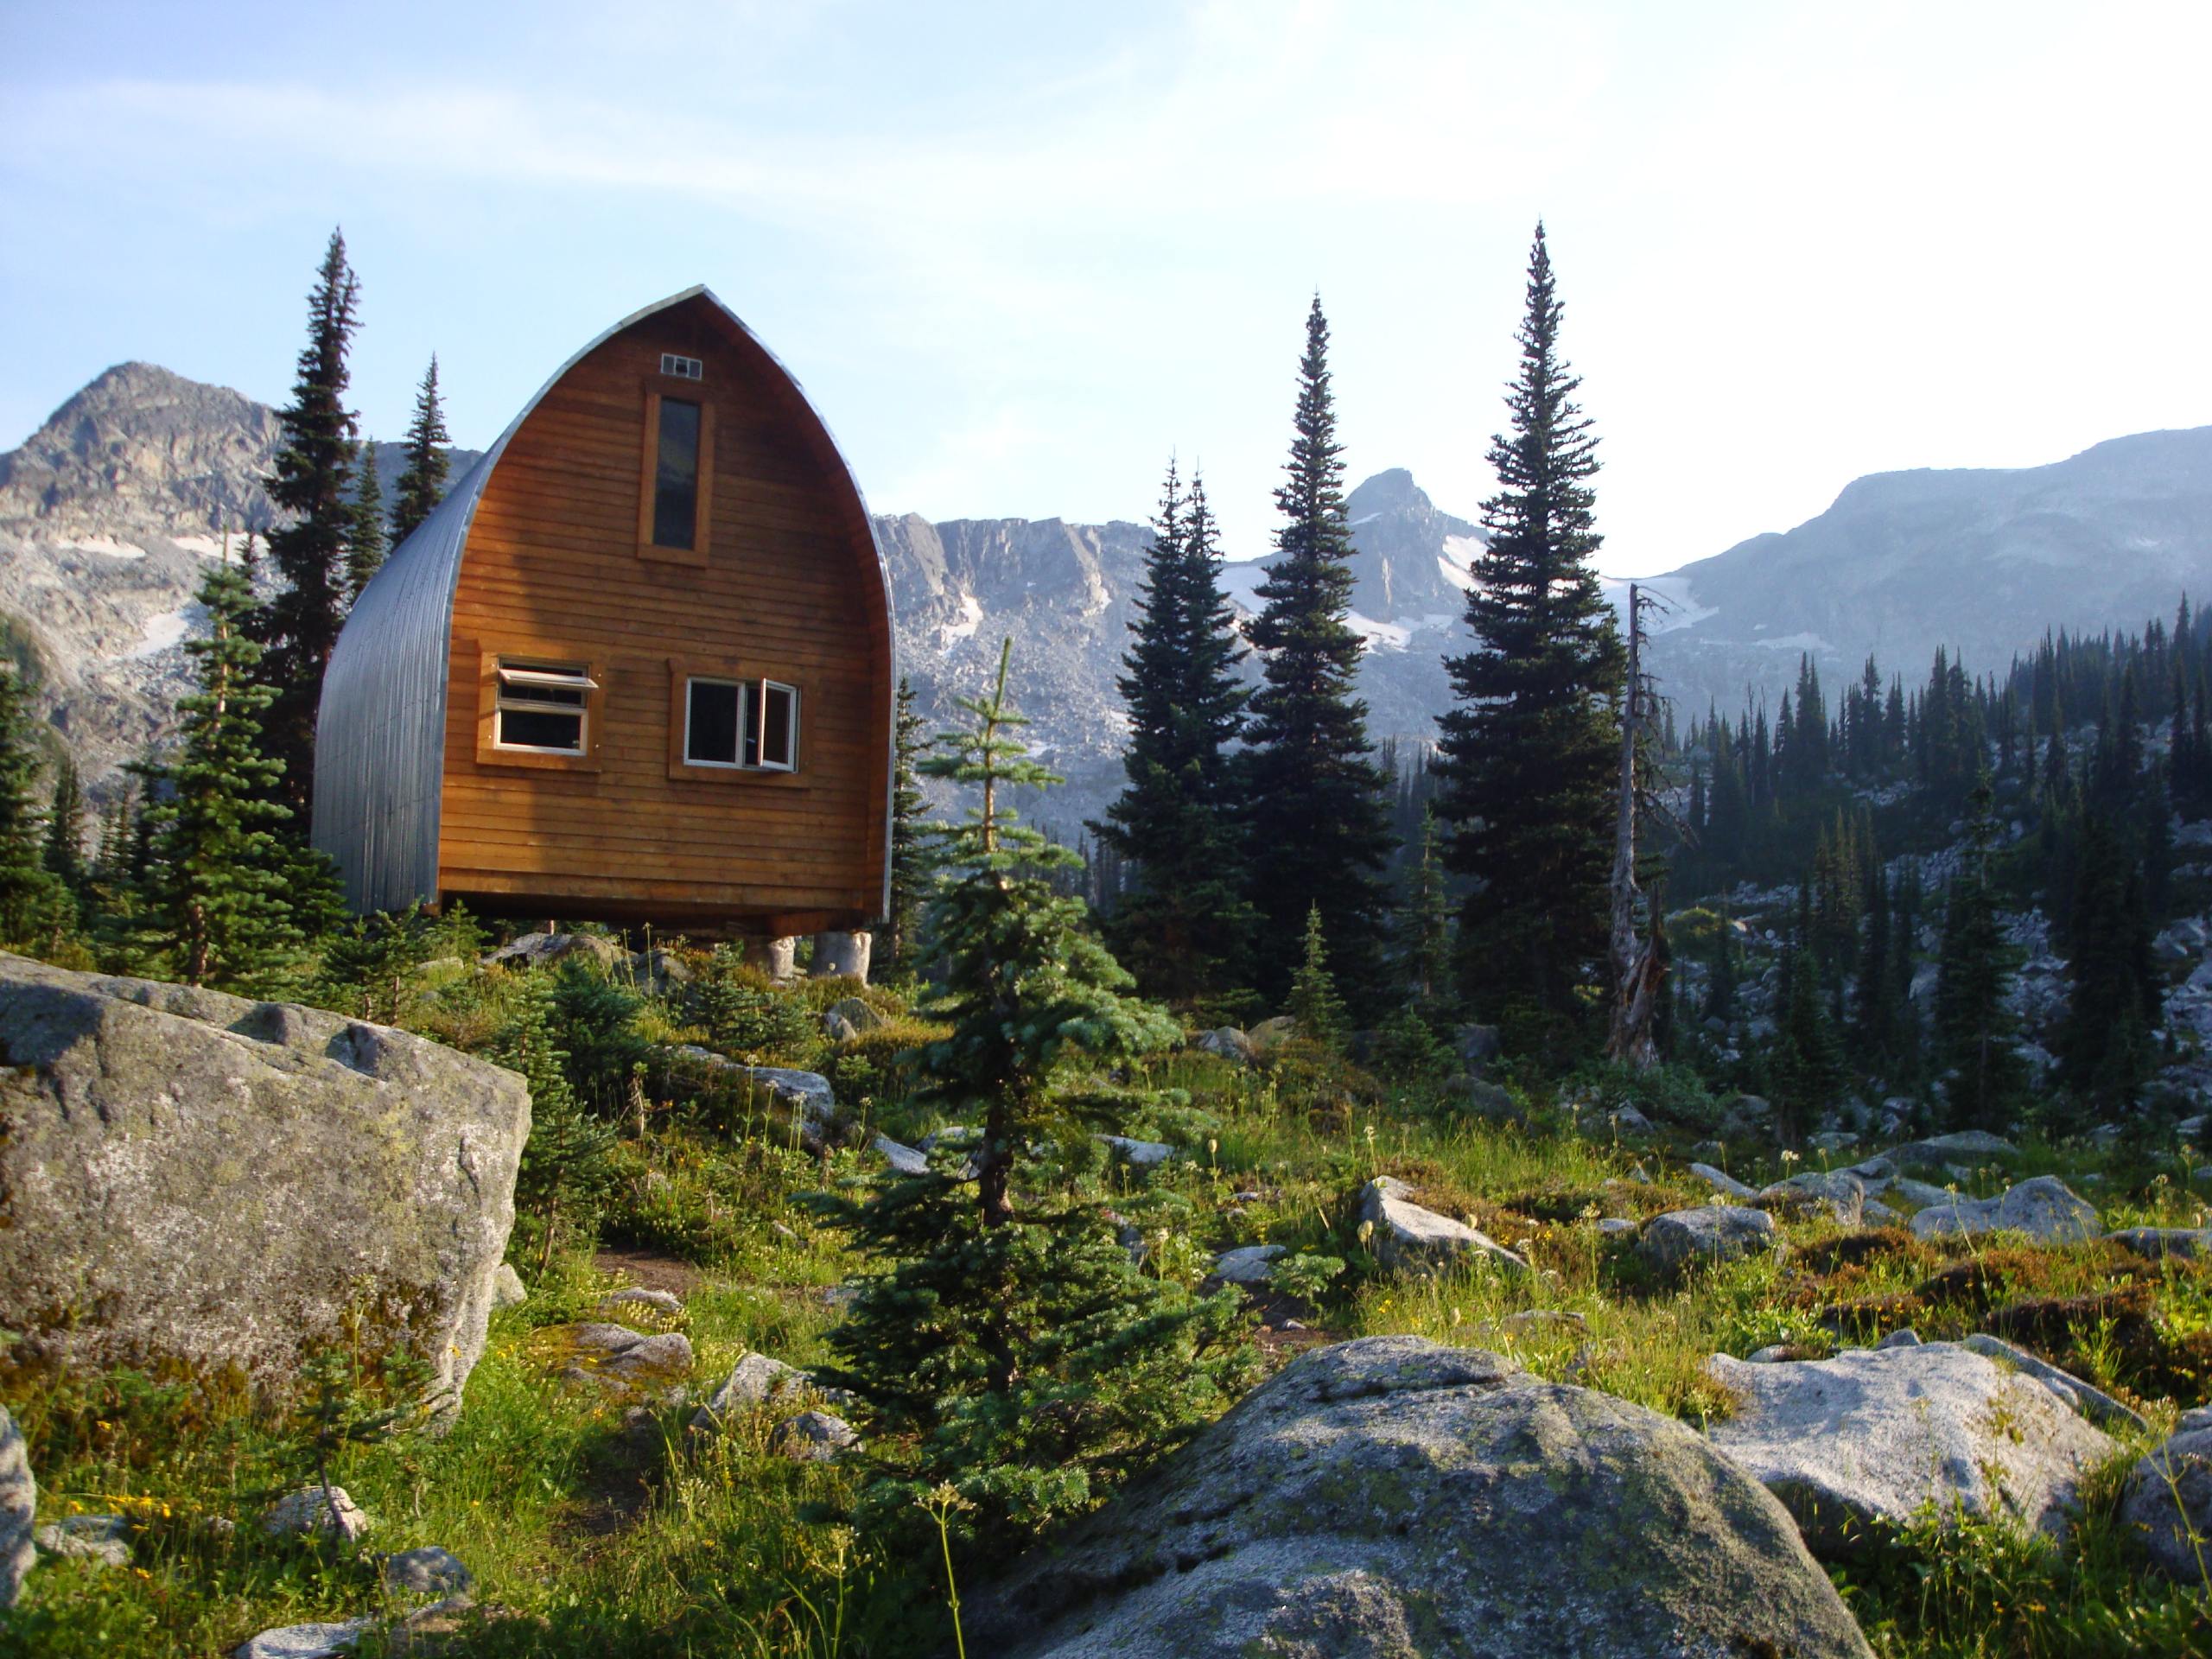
<point>1019,254</point>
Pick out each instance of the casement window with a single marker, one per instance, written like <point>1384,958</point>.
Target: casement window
<point>542,708</point>
<point>740,725</point>
<point>676,478</point>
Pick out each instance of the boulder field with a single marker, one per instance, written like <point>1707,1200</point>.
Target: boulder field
<point>192,1178</point>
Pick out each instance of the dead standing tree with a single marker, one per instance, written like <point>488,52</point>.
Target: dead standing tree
<point>1639,959</point>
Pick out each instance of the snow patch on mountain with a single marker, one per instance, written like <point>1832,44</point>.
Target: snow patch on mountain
<point>971,618</point>
<point>1806,641</point>
<point>164,631</point>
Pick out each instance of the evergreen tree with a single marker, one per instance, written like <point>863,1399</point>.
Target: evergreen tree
<point>1004,1327</point>
<point>1875,1021</point>
<point>1720,995</point>
<point>1985,1075</point>
<point>1425,926</point>
<point>422,482</point>
<point>1313,1002</point>
<point>65,827</point>
<point>311,485</point>
<point>1808,1073</point>
<point>1183,929</point>
<point>1320,822</point>
<point>908,856</point>
<point>221,881</point>
<point>1528,748</point>
<point>2115,996</point>
<point>366,542</point>
<point>565,1172</point>
<point>31,899</point>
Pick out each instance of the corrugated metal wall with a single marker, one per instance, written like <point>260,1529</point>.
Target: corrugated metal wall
<point>380,737</point>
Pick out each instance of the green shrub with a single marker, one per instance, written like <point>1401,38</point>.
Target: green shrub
<point>748,1016</point>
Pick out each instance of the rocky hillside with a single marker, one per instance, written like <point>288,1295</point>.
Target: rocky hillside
<point>105,512</point>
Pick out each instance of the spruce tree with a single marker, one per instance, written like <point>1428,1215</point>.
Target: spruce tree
<point>366,542</point>
<point>1321,822</point>
<point>909,859</point>
<point>423,483</point>
<point>1003,1326</point>
<point>220,882</point>
<point>311,485</point>
<point>31,899</point>
<point>1985,1077</point>
<point>1528,750</point>
<point>1183,928</point>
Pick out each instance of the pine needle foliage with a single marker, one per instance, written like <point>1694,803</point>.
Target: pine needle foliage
<point>1184,930</point>
<point>422,482</point>
<point>1319,816</point>
<point>312,486</point>
<point>1528,753</point>
<point>1005,1337</point>
<point>220,881</point>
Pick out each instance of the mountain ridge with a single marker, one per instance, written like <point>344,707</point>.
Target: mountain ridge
<point>108,510</point>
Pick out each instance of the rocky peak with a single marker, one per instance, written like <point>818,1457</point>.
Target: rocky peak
<point>1411,565</point>
<point>142,449</point>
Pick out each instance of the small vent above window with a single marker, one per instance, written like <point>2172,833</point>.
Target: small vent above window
<point>683,368</point>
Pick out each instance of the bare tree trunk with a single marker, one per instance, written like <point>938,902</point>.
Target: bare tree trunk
<point>1636,970</point>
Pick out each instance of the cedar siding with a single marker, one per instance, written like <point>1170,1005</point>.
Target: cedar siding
<point>557,564</point>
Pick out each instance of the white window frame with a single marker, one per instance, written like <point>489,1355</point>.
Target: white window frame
<point>517,678</point>
<point>751,723</point>
<point>760,689</point>
<point>678,366</point>
<point>736,763</point>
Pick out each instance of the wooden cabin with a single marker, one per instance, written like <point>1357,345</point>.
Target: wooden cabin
<point>636,667</point>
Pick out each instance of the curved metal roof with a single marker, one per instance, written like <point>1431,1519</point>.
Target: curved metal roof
<point>380,729</point>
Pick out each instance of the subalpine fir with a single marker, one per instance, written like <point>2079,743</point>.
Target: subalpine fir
<point>221,881</point>
<point>1528,748</point>
<point>1182,925</point>
<point>1318,809</point>
<point>423,483</point>
<point>367,544</point>
<point>1985,1077</point>
<point>313,485</point>
<point>1003,1335</point>
<point>32,900</point>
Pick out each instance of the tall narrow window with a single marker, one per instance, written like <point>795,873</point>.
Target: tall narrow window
<point>542,706</point>
<point>676,475</point>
